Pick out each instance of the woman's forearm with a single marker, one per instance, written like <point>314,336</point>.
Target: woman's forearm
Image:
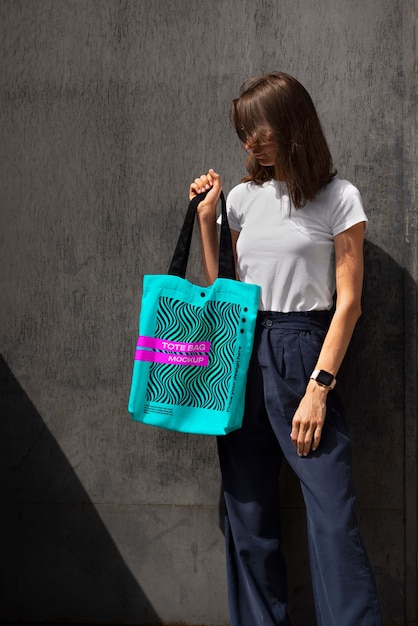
<point>206,219</point>
<point>210,246</point>
<point>338,338</point>
<point>349,282</point>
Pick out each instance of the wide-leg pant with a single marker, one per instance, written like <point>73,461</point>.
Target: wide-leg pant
<point>285,352</point>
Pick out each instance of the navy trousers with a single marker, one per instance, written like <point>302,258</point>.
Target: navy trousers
<point>285,352</point>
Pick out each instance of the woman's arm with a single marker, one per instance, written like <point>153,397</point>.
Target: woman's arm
<point>310,416</point>
<point>206,219</point>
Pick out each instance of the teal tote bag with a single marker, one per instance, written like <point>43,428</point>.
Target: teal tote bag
<point>194,345</point>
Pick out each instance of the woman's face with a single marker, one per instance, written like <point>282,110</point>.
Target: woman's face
<point>265,152</point>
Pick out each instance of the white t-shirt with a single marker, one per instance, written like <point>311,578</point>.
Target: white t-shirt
<point>289,252</point>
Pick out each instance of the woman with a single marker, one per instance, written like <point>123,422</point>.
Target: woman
<point>298,232</point>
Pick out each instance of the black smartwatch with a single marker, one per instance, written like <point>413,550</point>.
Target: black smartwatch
<point>324,378</point>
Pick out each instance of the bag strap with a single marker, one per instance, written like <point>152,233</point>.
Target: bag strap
<point>180,258</point>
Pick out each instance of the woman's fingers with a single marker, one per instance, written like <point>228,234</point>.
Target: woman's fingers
<point>317,437</point>
<point>202,184</point>
<point>206,182</point>
<point>302,438</point>
<point>304,442</point>
<point>307,427</point>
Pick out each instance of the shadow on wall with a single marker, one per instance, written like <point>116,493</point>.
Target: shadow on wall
<point>58,561</point>
<point>372,384</point>
<point>374,388</point>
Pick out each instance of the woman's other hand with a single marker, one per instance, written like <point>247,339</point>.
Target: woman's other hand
<point>309,419</point>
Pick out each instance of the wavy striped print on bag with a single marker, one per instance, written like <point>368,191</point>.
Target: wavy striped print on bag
<point>184,325</point>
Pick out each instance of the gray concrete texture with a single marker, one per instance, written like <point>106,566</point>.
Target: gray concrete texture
<point>108,109</point>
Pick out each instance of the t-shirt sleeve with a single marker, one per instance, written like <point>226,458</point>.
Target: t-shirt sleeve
<point>232,209</point>
<point>349,210</point>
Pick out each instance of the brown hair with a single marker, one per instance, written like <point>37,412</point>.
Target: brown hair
<point>276,106</point>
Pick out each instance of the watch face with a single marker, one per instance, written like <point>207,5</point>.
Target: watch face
<point>325,378</point>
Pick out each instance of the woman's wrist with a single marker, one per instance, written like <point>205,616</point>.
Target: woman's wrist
<point>315,387</point>
<point>206,215</point>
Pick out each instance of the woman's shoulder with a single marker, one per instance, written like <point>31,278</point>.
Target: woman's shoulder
<point>237,189</point>
<point>340,188</point>
<point>341,202</point>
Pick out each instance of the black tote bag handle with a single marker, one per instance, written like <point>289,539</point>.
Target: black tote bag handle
<point>180,258</point>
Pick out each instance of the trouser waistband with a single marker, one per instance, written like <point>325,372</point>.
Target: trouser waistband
<point>294,319</point>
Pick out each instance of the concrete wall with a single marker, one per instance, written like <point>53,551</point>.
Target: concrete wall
<point>108,109</point>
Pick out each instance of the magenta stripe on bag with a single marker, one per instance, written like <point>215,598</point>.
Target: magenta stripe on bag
<point>172,359</point>
<point>172,346</point>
